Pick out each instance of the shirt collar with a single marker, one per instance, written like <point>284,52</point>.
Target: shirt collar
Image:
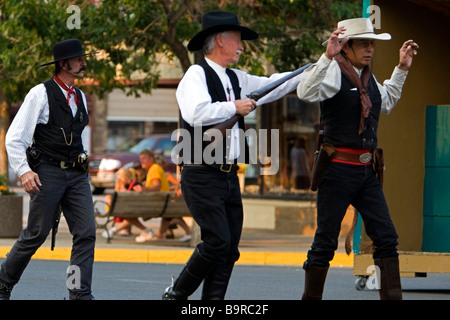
<point>359,72</point>
<point>217,67</point>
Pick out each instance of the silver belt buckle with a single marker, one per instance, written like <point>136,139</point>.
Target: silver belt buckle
<point>365,157</point>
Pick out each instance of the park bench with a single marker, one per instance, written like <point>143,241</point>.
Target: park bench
<point>143,205</point>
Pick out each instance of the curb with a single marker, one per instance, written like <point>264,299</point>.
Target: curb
<point>181,256</point>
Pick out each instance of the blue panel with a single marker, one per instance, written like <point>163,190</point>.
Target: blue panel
<point>366,4</point>
<point>436,234</point>
<point>436,192</point>
<point>357,235</point>
<point>437,147</point>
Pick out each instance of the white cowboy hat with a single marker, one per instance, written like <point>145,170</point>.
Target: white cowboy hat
<point>359,28</point>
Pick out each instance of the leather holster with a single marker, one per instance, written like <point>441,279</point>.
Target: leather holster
<point>322,157</point>
<point>378,163</point>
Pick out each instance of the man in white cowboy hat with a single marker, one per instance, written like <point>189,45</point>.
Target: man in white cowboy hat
<point>53,170</point>
<point>352,100</point>
<point>208,94</point>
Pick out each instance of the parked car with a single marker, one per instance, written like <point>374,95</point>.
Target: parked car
<point>103,167</point>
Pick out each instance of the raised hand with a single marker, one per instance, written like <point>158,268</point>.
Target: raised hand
<point>407,52</point>
<point>334,46</point>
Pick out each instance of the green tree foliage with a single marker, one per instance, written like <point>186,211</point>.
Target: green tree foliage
<point>133,35</point>
<point>133,32</point>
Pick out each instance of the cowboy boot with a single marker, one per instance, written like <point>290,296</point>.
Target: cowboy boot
<point>314,281</point>
<point>216,283</point>
<point>5,291</point>
<point>190,278</point>
<point>390,286</point>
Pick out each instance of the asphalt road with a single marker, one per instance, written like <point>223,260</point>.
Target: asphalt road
<point>46,279</point>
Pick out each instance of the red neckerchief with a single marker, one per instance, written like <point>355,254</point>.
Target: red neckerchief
<point>361,83</point>
<point>70,91</point>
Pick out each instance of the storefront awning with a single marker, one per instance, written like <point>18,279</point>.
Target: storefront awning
<point>160,106</point>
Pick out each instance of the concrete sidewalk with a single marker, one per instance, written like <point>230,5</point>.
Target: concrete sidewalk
<point>257,247</point>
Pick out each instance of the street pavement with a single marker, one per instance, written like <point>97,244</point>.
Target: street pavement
<point>269,269</point>
<point>46,279</point>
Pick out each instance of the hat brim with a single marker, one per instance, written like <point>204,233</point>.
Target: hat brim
<point>372,36</point>
<point>198,40</point>
<point>68,57</point>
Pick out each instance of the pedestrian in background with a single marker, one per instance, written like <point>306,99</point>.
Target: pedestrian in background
<point>300,164</point>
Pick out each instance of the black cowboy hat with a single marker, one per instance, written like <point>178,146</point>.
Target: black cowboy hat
<point>67,49</point>
<point>219,21</point>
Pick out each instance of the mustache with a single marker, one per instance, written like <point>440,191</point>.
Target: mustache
<point>81,70</point>
<point>239,52</point>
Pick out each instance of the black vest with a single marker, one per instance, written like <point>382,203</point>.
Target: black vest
<point>217,93</point>
<point>60,138</point>
<point>341,115</point>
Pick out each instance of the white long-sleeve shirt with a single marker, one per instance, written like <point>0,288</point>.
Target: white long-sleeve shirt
<point>195,102</point>
<point>322,81</point>
<point>33,111</point>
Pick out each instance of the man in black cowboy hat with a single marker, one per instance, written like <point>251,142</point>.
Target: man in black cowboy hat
<point>208,94</point>
<point>53,170</point>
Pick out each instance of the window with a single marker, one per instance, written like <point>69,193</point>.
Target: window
<point>297,126</point>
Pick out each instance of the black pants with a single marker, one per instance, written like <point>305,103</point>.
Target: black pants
<point>343,185</point>
<point>70,189</point>
<point>214,200</point>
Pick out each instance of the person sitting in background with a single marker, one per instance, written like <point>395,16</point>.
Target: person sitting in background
<point>126,180</point>
<point>156,181</point>
<point>141,173</point>
<point>170,223</point>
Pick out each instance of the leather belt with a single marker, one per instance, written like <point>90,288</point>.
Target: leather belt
<point>226,168</point>
<point>54,162</point>
<point>353,157</point>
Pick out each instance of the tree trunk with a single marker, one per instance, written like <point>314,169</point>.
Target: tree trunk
<point>4,125</point>
<point>174,10</point>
